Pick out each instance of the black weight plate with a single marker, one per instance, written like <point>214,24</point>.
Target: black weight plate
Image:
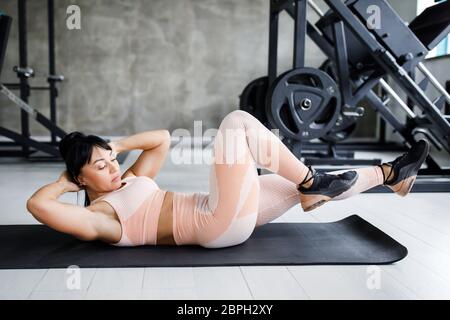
<point>303,104</point>
<point>344,126</point>
<point>253,98</point>
<point>336,136</point>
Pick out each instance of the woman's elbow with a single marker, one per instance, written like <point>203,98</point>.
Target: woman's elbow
<point>35,208</point>
<point>32,206</point>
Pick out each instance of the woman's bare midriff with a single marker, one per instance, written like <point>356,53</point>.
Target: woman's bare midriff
<point>112,224</point>
<point>165,223</point>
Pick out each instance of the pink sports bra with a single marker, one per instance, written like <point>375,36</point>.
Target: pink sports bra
<point>138,205</point>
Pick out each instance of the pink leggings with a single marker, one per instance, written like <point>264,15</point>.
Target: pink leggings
<point>239,200</point>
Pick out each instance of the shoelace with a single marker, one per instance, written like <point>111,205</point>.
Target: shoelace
<point>392,163</point>
<point>313,174</point>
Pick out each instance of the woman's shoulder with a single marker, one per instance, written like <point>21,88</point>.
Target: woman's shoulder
<point>131,176</point>
<point>139,178</point>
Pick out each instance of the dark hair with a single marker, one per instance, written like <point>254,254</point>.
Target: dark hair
<point>76,150</point>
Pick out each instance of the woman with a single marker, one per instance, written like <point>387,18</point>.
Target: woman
<point>131,210</point>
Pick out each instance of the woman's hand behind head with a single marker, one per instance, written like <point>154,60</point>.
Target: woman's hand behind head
<point>115,147</point>
<point>70,186</point>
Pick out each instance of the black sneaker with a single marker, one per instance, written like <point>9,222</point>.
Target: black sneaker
<point>324,188</point>
<point>404,169</point>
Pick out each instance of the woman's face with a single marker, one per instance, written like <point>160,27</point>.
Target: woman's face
<point>102,173</point>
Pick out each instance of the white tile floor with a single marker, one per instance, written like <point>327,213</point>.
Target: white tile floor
<point>421,222</point>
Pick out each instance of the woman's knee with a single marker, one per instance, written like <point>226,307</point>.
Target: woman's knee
<point>238,116</point>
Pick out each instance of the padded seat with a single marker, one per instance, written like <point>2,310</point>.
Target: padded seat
<point>432,25</point>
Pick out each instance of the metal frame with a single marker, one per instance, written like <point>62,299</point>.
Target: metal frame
<point>24,72</point>
<point>438,128</point>
<point>386,60</point>
<point>297,10</point>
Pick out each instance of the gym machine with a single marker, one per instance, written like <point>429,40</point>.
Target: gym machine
<point>307,104</point>
<point>31,147</point>
<point>24,72</point>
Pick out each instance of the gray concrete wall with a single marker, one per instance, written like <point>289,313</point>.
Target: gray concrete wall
<point>149,64</point>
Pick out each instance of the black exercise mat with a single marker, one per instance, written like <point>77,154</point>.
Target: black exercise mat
<point>349,241</point>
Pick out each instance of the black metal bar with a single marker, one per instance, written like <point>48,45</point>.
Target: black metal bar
<point>23,63</point>
<point>409,101</point>
<point>16,86</point>
<point>55,130</point>
<point>51,64</point>
<point>8,143</point>
<point>382,122</point>
<point>420,185</point>
<point>320,41</point>
<point>314,34</point>
<point>280,5</point>
<point>26,141</point>
<point>5,27</point>
<point>362,90</point>
<point>300,34</point>
<point>342,61</point>
<point>387,114</point>
<point>10,153</point>
<point>382,130</point>
<point>433,167</point>
<point>447,104</point>
<point>273,42</point>
<point>312,161</point>
<point>357,146</point>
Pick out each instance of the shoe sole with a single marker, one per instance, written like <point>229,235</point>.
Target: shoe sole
<point>404,187</point>
<point>313,201</point>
